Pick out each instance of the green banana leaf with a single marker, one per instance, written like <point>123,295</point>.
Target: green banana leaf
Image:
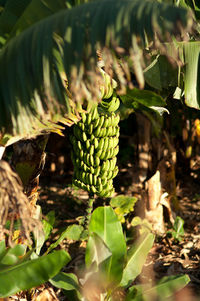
<point>96,252</point>
<point>105,224</point>
<point>144,97</point>
<point>123,205</point>
<point>161,74</point>
<point>71,232</point>
<point>165,288</point>
<point>136,258</point>
<point>66,281</point>
<point>48,223</point>
<point>36,11</point>
<point>2,249</point>
<point>192,74</point>
<point>10,14</point>
<point>32,84</point>
<point>12,256</point>
<point>31,273</point>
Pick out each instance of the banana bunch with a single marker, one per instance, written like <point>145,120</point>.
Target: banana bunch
<point>95,147</point>
<point>109,85</point>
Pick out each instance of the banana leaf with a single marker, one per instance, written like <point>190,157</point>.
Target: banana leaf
<point>136,258</point>
<point>111,255</point>
<point>34,65</point>
<point>31,273</point>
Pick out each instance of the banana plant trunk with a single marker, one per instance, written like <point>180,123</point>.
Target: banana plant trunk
<point>28,160</point>
<point>144,139</point>
<point>152,208</point>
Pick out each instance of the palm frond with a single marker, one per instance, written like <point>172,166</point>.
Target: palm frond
<point>32,86</point>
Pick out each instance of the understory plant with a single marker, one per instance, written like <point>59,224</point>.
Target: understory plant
<point>177,232</point>
<point>112,267</point>
<point>19,271</point>
<point>23,267</point>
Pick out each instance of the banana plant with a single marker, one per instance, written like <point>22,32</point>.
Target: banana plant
<point>64,65</point>
<point>181,79</point>
<point>19,272</point>
<point>110,269</point>
<point>34,69</point>
<point>23,267</point>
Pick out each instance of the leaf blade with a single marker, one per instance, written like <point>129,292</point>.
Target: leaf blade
<point>136,258</point>
<point>31,273</point>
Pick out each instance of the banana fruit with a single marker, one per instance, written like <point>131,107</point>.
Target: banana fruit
<point>95,146</point>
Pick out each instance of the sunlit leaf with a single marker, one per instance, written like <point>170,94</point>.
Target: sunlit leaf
<point>136,258</point>
<point>144,97</point>
<point>166,287</point>
<point>48,223</point>
<point>13,255</point>
<point>106,225</point>
<point>71,232</point>
<point>123,205</point>
<point>31,273</point>
<point>192,74</point>
<point>96,251</point>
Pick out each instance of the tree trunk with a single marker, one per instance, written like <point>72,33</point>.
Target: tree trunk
<point>28,160</point>
<point>144,134</point>
<point>151,195</point>
<point>153,206</point>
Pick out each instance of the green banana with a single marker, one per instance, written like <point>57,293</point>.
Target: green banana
<point>96,123</point>
<point>83,116</point>
<point>97,132</point>
<point>91,150</point>
<point>101,121</point>
<point>88,119</point>
<point>95,145</point>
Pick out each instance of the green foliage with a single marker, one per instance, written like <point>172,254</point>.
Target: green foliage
<point>123,205</point>
<point>36,10</point>
<point>66,281</point>
<point>110,269</point>
<point>28,268</point>
<point>104,223</point>
<point>143,224</point>
<point>177,232</point>
<point>135,97</point>
<point>165,288</point>
<point>136,258</point>
<point>160,74</point>
<point>18,272</point>
<point>10,256</point>
<point>9,16</point>
<point>32,87</point>
<point>71,232</point>
<point>48,223</point>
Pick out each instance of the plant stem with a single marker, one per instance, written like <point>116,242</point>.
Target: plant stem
<point>89,209</point>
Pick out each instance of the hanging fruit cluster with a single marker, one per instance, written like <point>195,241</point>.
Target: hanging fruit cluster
<point>95,146</point>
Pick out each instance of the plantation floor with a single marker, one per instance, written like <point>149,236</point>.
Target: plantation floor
<point>167,257</point>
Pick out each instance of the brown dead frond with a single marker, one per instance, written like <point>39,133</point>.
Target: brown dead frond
<point>14,205</point>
